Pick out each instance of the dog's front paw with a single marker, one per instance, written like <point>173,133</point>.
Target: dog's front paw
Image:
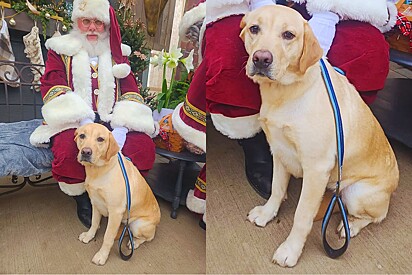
<point>86,237</point>
<point>100,258</point>
<point>286,255</point>
<point>261,215</point>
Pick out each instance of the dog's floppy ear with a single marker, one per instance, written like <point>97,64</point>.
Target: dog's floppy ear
<point>76,135</point>
<point>112,147</point>
<point>312,52</point>
<point>242,26</point>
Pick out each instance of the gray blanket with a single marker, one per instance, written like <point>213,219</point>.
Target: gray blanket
<point>17,156</point>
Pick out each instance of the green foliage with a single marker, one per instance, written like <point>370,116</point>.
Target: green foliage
<point>177,93</point>
<point>46,9</point>
<point>179,90</point>
<point>133,34</point>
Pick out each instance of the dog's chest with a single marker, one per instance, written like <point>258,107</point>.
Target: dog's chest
<point>98,200</point>
<point>281,137</point>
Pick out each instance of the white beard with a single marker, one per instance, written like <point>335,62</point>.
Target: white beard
<point>93,48</point>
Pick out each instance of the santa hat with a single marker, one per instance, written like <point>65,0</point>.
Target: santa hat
<point>101,10</point>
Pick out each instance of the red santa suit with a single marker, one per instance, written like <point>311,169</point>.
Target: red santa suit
<point>75,89</point>
<point>189,117</point>
<point>189,120</point>
<point>359,49</point>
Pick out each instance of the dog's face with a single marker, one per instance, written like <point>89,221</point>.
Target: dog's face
<point>96,144</point>
<point>280,44</point>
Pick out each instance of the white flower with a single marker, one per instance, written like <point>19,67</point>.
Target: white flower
<point>188,61</point>
<point>158,59</point>
<point>173,58</point>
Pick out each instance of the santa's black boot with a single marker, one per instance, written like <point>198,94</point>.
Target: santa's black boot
<point>258,164</point>
<point>84,209</point>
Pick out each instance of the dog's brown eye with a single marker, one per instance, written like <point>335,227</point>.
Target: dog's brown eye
<point>254,29</point>
<point>82,136</point>
<point>100,139</point>
<point>288,35</point>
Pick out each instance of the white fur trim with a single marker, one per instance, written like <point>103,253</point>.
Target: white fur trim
<point>42,134</point>
<point>121,70</point>
<point>157,129</point>
<point>195,204</point>
<point>106,87</point>
<point>82,79</point>
<point>60,110</point>
<point>237,128</point>
<point>66,44</point>
<point>98,9</point>
<point>392,13</point>
<point>191,17</point>
<point>218,9</point>
<point>134,116</point>
<point>371,11</point>
<point>126,50</point>
<point>190,134</point>
<point>74,189</point>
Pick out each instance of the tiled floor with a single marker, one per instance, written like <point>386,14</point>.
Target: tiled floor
<point>398,71</point>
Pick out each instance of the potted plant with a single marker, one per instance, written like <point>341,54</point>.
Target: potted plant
<point>173,91</point>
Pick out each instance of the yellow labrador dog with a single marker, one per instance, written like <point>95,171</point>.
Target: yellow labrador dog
<point>107,190</point>
<point>298,121</point>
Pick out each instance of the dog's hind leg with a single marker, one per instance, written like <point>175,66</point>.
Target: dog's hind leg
<point>143,231</point>
<point>366,203</point>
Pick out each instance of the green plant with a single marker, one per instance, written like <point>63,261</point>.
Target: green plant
<point>171,61</point>
<point>179,90</point>
<point>44,10</point>
<point>133,34</point>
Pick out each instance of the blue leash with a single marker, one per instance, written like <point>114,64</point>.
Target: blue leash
<point>334,253</point>
<point>126,228</point>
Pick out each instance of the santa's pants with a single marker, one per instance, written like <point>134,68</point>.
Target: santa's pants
<point>139,147</point>
<point>233,100</point>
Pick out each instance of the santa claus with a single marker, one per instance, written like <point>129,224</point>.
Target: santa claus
<point>88,79</point>
<point>350,33</point>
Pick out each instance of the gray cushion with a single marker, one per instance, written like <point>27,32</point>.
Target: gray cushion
<point>17,155</point>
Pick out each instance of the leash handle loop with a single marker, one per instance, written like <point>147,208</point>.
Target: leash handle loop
<point>126,229</point>
<point>334,253</point>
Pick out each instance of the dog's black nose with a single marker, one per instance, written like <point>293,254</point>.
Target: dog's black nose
<point>86,151</point>
<point>262,59</point>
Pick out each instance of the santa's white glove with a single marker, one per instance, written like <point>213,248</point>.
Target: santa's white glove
<point>254,4</point>
<point>323,26</point>
<point>85,121</point>
<point>119,134</point>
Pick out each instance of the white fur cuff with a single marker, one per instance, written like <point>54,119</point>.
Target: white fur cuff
<point>74,189</point>
<point>134,116</point>
<point>237,128</point>
<point>190,134</point>
<point>66,109</point>
<point>195,204</point>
